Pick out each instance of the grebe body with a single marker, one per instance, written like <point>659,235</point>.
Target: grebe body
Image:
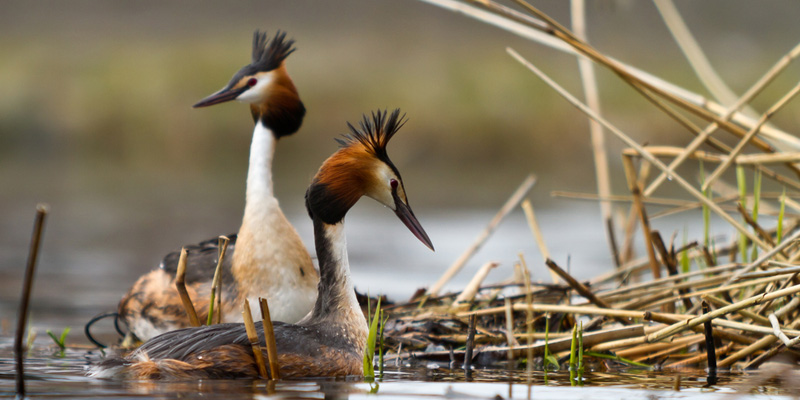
<point>266,258</point>
<point>330,340</point>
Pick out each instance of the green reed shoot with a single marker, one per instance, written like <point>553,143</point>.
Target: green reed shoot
<point>549,359</point>
<point>369,350</point>
<point>741,182</point>
<point>576,356</point>
<point>706,210</point>
<point>380,347</point>
<point>756,201</point>
<point>779,229</point>
<point>61,340</point>
<point>684,255</point>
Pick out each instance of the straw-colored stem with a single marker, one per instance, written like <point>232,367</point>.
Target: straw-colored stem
<point>683,325</point>
<point>699,358</point>
<point>751,134</point>
<point>269,339</point>
<point>630,142</point>
<point>636,191</point>
<point>180,284</point>
<point>252,337</point>
<point>512,202</point>
<point>469,292</point>
<point>581,288</point>
<point>216,283</point>
<point>590,92</point>
<point>533,223</point>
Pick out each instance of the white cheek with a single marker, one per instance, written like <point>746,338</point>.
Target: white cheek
<point>256,93</point>
<point>384,192</point>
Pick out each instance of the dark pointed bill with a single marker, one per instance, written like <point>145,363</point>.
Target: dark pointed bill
<point>407,216</point>
<point>222,96</point>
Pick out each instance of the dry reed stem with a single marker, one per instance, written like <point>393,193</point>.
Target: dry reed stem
<point>526,273</point>
<point>510,329</point>
<point>638,204</point>
<point>649,350</point>
<point>744,313</point>
<point>469,292</point>
<point>751,134</point>
<point>216,283</point>
<point>764,257</point>
<point>760,344</point>
<point>776,330</point>
<point>694,54</point>
<point>180,284</point>
<point>581,288</point>
<point>536,30</point>
<point>27,288</point>
<point>683,325</point>
<point>590,92</point>
<point>677,345</point>
<point>700,357</point>
<point>510,204</point>
<point>649,157</point>
<point>670,279</point>
<point>533,223</point>
<point>269,339</point>
<point>252,336</point>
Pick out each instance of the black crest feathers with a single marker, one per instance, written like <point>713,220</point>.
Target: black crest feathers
<point>375,132</point>
<point>269,54</point>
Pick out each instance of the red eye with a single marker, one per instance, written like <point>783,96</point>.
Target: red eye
<point>252,82</point>
<point>393,183</point>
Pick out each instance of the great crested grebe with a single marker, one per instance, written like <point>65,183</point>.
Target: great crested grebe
<point>267,257</point>
<point>330,340</point>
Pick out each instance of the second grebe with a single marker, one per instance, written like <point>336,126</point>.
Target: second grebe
<point>329,341</point>
<point>267,258</point>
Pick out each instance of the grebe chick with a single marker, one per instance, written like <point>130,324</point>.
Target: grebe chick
<point>330,340</point>
<point>267,258</point>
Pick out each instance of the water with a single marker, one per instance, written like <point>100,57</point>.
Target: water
<point>51,376</point>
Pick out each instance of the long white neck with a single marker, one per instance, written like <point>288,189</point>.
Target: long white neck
<point>259,173</point>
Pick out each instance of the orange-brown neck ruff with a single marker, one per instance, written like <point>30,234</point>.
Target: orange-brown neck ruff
<point>282,111</point>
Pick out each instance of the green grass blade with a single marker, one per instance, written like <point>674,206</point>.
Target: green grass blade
<point>756,201</point>
<point>741,182</point>
<point>369,351</point>
<point>616,358</point>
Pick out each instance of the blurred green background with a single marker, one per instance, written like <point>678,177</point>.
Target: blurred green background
<point>96,117</point>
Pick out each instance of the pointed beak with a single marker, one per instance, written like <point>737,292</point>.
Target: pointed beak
<point>226,94</point>
<point>405,214</point>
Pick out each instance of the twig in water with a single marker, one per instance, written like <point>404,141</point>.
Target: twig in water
<point>216,283</point>
<point>710,347</point>
<point>512,202</point>
<point>22,319</point>
<point>470,345</point>
<point>269,339</point>
<point>252,337</point>
<point>180,284</point>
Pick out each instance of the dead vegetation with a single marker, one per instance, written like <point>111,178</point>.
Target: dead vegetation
<point>697,304</point>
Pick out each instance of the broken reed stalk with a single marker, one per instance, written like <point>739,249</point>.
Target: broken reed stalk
<point>751,134</point>
<point>27,288</point>
<point>469,292</point>
<point>644,153</point>
<point>510,330</point>
<point>180,284</point>
<point>764,257</point>
<point>470,344</point>
<point>636,191</point>
<point>252,337</point>
<point>533,223</point>
<point>216,283</point>
<point>269,339</point>
<point>711,353</point>
<point>526,273</point>
<point>512,202</point>
<point>582,289</point>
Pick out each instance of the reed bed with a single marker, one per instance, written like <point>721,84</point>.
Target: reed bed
<point>715,302</point>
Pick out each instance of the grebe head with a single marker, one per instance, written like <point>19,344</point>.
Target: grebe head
<point>265,85</point>
<point>361,167</point>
